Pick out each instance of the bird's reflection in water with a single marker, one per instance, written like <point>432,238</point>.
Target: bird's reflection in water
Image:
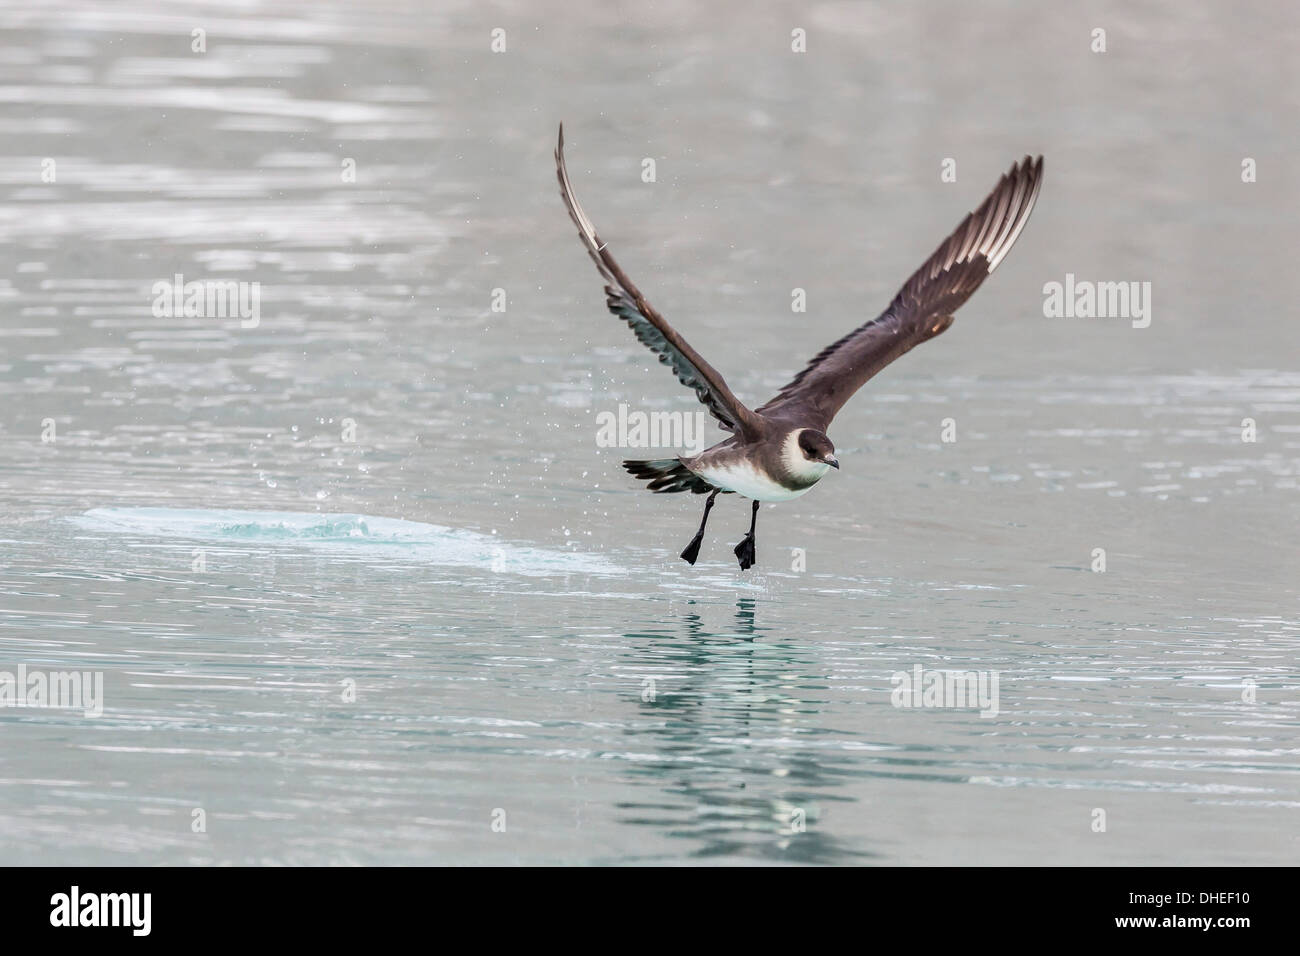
<point>724,712</point>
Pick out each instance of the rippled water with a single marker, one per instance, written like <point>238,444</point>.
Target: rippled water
<point>360,582</point>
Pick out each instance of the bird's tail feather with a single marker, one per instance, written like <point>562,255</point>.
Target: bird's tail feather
<point>667,475</point>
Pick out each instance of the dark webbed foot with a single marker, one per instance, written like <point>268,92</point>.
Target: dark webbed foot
<point>745,552</point>
<point>693,549</point>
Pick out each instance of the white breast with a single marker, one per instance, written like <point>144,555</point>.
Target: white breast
<point>744,479</point>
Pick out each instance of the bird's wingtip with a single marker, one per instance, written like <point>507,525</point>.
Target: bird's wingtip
<point>1030,163</point>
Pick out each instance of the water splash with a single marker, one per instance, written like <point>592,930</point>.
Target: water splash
<point>346,533</point>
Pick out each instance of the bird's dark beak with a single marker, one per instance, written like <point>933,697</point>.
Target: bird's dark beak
<point>832,461</point>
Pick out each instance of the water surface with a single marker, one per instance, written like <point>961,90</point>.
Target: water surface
<point>362,585</point>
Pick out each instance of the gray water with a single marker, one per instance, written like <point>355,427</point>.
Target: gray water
<point>464,636</point>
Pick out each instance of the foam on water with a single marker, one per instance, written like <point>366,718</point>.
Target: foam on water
<point>371,535</point>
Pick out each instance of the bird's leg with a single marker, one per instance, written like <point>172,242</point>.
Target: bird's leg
<point>745,550</point>
<point>693,549</point>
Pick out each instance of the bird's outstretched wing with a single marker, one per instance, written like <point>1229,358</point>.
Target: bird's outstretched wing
<point>922,309</point>
<point>651,329</point>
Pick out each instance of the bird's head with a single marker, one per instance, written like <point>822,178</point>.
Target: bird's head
<point>816,447</point>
